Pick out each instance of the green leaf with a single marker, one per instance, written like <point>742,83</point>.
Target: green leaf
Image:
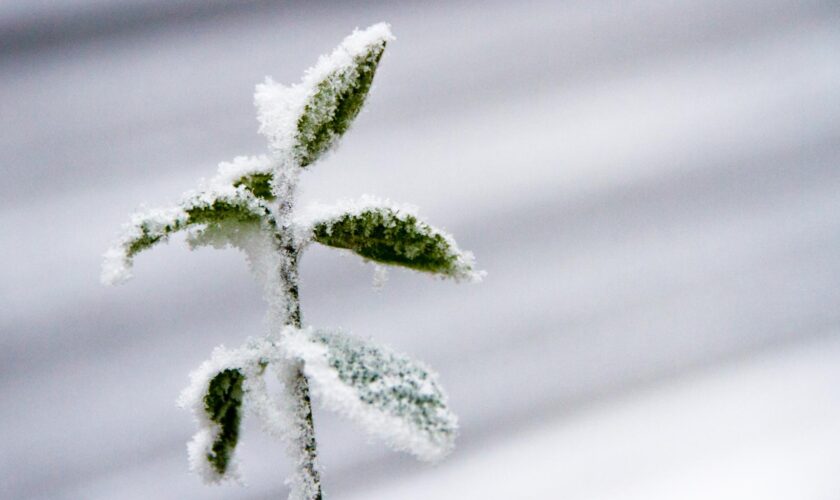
<point>220,390</point>
<point>334,105</point>
<point>239,207</point>
<point>390,236</point>
<point>258,184</point>
<point>230,209</point>
<point>155,228</point>
<point>223,210</point>
<point>389,394</point>
<point>223,405</point>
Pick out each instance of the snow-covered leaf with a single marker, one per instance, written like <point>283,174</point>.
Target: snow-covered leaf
<point>389,394</point>
<point>222,205</point>
<point>259,184</point>
<point>337,100</point>
<point>223,405</point>
<point>220,390</point>
<point>391,234</point>
<point>305,120</point>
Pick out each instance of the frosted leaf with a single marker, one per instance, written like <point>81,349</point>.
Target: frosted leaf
<point>387,233</point>
<point>223,405</point>
<point>221,205</point>
<point>219,391</point>
<point>390,395</point>
<point>305,120</point>
<point>215,397</point>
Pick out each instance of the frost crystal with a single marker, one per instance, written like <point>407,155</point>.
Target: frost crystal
<point>221,205</point>
<point>218,389</point>
<point>388,394</point>
<point>252,172</point>
<point>230,173</point>
<point>388,233</point>
<point>305,120</point>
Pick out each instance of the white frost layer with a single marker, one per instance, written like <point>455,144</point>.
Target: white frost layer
<point>337,396</point>
<point>116,266</point>
<point>319,213</point>
<point>241,166</point>
<point>302,484</point>
<point>279,107</point>
<point>465,266</point>
<point>161,222</point>
<point>247,360</point>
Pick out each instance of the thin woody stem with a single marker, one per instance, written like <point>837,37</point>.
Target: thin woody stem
<point>306,442</point>
<point>307,447</point>
<point>309,479</point>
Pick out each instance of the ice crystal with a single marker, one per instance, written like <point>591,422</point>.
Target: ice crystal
<point>219,206</point>
<point>388,233</point>
<point>218,390</point>
<point>388,394</point>
<point>305,120</point>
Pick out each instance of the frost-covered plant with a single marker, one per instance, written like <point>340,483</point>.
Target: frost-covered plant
<point>249,205</point>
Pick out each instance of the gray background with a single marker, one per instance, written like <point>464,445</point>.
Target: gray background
<point>653,187</point>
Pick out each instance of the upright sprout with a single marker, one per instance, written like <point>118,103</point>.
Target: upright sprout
<point>249,205</point>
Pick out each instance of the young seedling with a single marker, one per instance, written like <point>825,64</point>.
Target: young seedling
<point>250,205</point>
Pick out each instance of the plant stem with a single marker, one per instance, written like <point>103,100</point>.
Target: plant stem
<point>307,448</point>
<point>308,451</point>
<point>308,478</point>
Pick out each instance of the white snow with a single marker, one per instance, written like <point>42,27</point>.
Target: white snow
<point>245,359</point>
<point>116,266</point>
<point>396,425</point>
<point>241,166</point>
<point>161,222</point>
<point>343,56</point>
<point>305,221</point>
<point>279,417</point>
<point>321,212</point>
<point>279,107</point>
<point>302,485</point>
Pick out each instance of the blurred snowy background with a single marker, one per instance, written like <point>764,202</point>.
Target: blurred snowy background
<point>653,187</point>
